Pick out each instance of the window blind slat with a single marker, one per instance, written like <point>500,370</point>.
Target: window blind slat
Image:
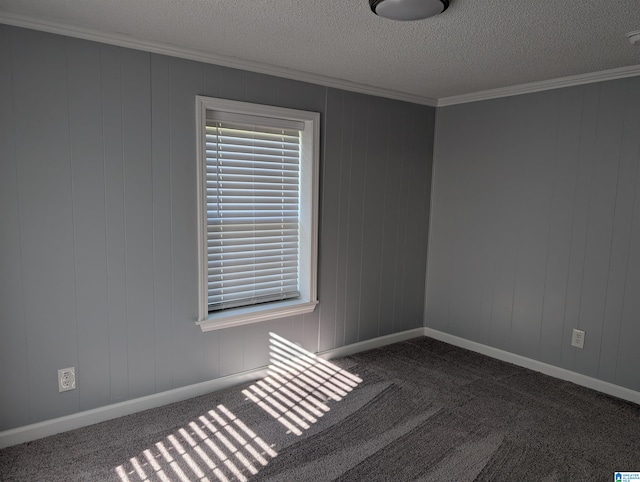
<point>254,171</point>
<point>238,274</point>
<point>254,206</point>
<point>228,263</point>
<point>256,241</point>
<point>244,284</point>
<point>229,191</point>
<point>283,163</point>
<point>250,132</point>
<point>247,187</point>
<point>252,293</point>
<point>220,254</point>
<point>244,300</point>
<point>216,268</point>
<point>241,228</point>
<point>248,235</point>
<point>244,120</point>
<point>286,146</point>
<point>238,144</point>
<point>235,157</point>
<point>243,246</point>
<point>229,157</point>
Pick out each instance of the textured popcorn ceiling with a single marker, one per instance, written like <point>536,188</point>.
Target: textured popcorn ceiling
<point>474,46</point>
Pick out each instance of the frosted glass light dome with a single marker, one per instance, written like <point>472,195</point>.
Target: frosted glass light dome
<point>408,9</point>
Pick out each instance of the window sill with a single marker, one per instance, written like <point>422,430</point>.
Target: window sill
<point>255,314</point>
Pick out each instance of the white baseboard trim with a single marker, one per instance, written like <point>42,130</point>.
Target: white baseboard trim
<point>102,414</point>
<point>556,372</point>
<point>370,344</point>
<point>70,422</point>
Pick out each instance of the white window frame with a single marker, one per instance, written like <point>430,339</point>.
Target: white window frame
<point>309,174</point>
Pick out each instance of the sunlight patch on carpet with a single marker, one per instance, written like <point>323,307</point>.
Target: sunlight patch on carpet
<point>299,386</point>
<point>217,446</point>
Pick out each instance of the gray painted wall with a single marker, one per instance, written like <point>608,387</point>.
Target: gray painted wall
<point>536,227</point>
<point>98,238</point>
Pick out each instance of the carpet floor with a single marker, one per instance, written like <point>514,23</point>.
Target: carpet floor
<point>420,410</point>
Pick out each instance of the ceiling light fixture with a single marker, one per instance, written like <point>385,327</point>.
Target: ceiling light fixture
<point>408,9</point>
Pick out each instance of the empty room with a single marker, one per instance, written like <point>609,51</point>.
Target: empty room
<point>284,240</point>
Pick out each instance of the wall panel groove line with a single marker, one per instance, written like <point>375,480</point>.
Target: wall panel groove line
<point>153,238</point>
<point>589,201</point>
<point>84,87</point>
<point>625,368</point>
<point>611,231</point>
<point>384,222</point>
<point>633,224</point>
<point>364,200</point>
<point>45,206</point>
<point>106,216</point>
<point>73,215</point>
<point>549,216</point>
<point>14,346</point>
<point>573,219</point>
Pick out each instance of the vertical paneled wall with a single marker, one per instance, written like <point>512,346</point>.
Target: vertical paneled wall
<point>536,226</point>
<point>98,226</point>
<point>375,198</point>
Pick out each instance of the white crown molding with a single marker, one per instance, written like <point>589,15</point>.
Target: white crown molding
<point>127,41</point>
<point>122,40</point>
<point>612,74</point>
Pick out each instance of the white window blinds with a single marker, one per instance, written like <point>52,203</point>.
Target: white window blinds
<point>253,199</point>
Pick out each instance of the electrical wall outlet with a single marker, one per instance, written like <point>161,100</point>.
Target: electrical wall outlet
<point>577,339</point>
<point>66,379</point>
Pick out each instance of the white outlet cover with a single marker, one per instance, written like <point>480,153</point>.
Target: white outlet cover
<point>66,379</point>
<point>577,339</point>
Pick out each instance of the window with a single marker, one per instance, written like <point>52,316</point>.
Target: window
<point>257,212</point>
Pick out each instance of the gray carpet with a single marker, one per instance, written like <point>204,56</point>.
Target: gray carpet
<point>420,410</point>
